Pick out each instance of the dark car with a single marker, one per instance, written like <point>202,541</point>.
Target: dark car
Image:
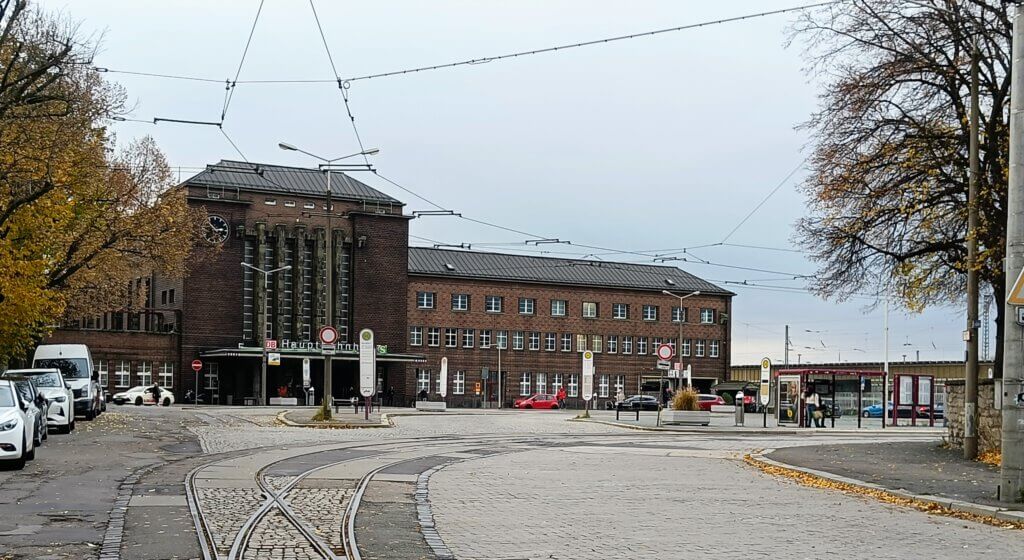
<point>643,402</point>
<point>831,410</point>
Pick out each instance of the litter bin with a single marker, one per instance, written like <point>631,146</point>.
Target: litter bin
<point>738,405</point>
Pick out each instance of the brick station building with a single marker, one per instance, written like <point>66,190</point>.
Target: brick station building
<point>537,313</point>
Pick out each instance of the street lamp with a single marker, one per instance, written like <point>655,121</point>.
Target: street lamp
<point>325,166</point>
<point>266,312</point>
<point>679,341</point>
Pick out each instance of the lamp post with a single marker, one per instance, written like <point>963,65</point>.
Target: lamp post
<point>266,312</point>
<point>679,341</point>
<point>326,166</point>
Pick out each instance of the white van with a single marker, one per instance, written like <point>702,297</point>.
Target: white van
<point>75,363</point>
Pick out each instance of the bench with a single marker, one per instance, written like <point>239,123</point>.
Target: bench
<point>431,406</point>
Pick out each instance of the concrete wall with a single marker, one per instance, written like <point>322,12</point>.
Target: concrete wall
<point>989,419</point>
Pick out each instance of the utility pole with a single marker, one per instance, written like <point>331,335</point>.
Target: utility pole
<point>971,375</point>
<point>1011,476</point>
<point>785,358</point>
<point>329,261</point>
<point>885,359</point>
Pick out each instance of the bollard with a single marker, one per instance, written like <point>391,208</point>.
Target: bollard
<point>739,408</point>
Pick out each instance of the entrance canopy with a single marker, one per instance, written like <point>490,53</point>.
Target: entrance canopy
<point>795,380</point>
<point>256,352</point>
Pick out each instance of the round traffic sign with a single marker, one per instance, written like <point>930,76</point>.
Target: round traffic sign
<point>665,352</point>
<point>197,365</point>
<point>328,335</point>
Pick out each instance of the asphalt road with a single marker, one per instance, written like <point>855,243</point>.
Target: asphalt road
<point>58,505</point>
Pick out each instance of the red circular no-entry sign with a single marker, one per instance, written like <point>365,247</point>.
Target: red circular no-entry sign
<point>328,335</point>
<point>665,352</point>
<point>197,365</point>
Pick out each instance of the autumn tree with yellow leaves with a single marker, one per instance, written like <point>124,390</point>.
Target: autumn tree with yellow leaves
<point>79,218</point>
<point>887,192</point>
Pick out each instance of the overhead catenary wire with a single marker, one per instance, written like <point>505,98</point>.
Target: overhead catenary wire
<point>487,59</point>
<point>765,199</point>
<point>229,92</point>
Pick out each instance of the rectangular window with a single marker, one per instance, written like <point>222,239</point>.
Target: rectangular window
<point>613,344</point>
<point>597,343</point>
<point>650,313</point>
<point>451,338</point>
<point>672,343</point>
<point>122,375</point>
<point>468,337</point>
<point>620,311</point>
<point>566,342</point>
<point>620,384</point>
<point>534,341</point>
<point>655,343</point>
<point>424,300</point>
<point>556,382</point>
<point>517,340</point>
<point>270,201</point>
<point>459,383</point>
<point>581,343</point>
<point>167,375</point>
<point>163,297</point>
<point>574,385</point>
<point>212,376</point>
<point>590,310</point>
<point>524,384</point>
<point>550,342</point>
<point>502,339</point>
<point>415,336</point>
<point>485,339</point>
<point>602,386</point>
<point>422,380</point>
<point>713,349</point>
<point>433,336</point>
<point>103,368</point>
<point>527,306</point>
<point>542,383</point>
<point>460,302</point>
<point>309,205</point>
<point>641,345</point>
<point>144,373</point>
<point>289,203</point>
<point>686,347</point>
<point>700,348</point>
<point>707,316</point>
<point>558,307</point>
<point>627,345</point>
<point>492,304</point>
<point>437,384</point>
<point>678,314</point>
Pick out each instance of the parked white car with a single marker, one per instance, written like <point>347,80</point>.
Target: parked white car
<point>50,381</point>
<point>143,395</point>
<point>17,427</point>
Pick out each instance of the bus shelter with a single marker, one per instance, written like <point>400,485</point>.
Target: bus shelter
<point>791,383</point>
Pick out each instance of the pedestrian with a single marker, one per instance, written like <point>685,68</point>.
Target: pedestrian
<point>812,404</point>
<point>560,396</point>
<point>619,396</point>
<point>155,390</point>
<point>666,397</point>
<point>422,395</point>
<point>391,396</point>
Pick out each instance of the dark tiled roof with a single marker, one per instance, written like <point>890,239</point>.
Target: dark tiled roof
<point>285,180</point>
<point>548,270</point>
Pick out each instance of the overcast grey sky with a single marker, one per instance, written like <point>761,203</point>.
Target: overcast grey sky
<point>660,142</point>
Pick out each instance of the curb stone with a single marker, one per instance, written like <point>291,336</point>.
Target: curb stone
<point>282,418</point>
<point>990,514</point>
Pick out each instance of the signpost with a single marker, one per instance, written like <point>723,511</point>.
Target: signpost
<point>273,359</point>
<point>665,365</point>
<point>197,366</point>
<point>764,392</point>
<point>328,336</point>
<point>305,373</point>
<point>588,379</point>
<point>367,365</point>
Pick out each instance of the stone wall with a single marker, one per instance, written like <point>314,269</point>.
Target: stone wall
<point>989,419</point>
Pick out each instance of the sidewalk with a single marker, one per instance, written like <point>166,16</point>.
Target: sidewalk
<point>754,424</point>
<point>916,468</point>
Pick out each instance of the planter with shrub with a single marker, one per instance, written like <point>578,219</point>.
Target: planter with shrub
<point>685,410</point>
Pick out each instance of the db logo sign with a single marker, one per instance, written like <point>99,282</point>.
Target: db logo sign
<point>587,355</point>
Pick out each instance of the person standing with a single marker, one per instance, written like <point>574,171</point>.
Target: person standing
<point>812,402</point>
<point>560,397</point>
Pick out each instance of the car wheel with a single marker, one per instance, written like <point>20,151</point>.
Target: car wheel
<point>138,401</point>
<point>528,406</point>
<point>865,414</point>
<point>46,433</point>
<point>31,455</point>
<point>71,426</point>
<point>554,407</point>
<point>37,439</point>
<point>167,402</point>
<point>90,414</point>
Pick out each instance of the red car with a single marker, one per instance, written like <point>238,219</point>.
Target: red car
<point>705,402</point>
<point>539,400</point>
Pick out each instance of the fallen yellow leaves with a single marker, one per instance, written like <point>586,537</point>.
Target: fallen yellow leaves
<point>880,495</point>
<point>991,457</point>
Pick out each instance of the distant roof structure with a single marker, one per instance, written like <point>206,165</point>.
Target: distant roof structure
<point>300,181</point>
<point>425,261</point>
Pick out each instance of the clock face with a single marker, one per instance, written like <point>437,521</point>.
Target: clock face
<point>216,230</point>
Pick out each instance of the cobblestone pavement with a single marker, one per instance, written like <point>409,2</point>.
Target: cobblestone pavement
<point>275,537</point>
<point>226,509</point>
<point>582,502</point>
<point>322,509</point>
